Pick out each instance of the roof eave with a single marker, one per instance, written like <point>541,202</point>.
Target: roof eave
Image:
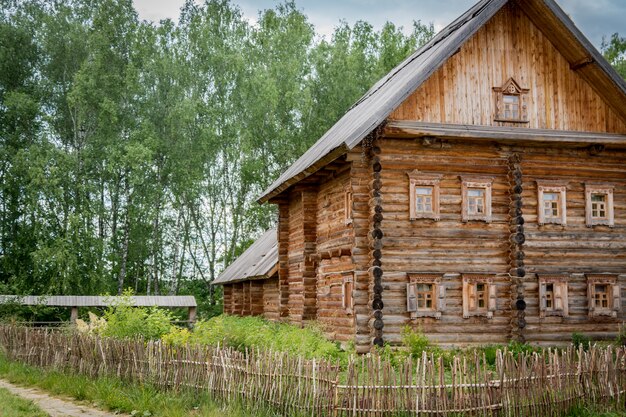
<point>274,190</point>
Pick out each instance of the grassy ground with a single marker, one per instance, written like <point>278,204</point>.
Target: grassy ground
<point>12,406</point>
<point>114,395</point>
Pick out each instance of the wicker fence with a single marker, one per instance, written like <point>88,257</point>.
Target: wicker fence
<point>529,385</point>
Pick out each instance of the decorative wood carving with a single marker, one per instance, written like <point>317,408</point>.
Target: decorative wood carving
<point>438,295</point>
<point>592,215</point>
<point>552,186</point>
<point>612,291</point>
<point>472,296</point>
<point>417,179</point>
<point>518,106</point>
<point>471,183</point>
<point>554,302</point>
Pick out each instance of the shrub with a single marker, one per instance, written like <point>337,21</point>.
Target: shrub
<point>126,321</point>
<point>580,340</point>
<point>621,335</point>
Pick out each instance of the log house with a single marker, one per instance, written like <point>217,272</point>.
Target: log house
<point>477,192</point>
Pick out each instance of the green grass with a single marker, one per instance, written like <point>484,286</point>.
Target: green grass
<point>115,395</point>
<point>13,406</point>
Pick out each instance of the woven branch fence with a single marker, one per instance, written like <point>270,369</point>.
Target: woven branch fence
<point>546,384</point>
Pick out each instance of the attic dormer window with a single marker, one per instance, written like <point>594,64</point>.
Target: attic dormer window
<point>511,104</point>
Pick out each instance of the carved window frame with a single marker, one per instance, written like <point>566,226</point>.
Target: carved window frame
<point>614,294</point>
<point>560,302</point>
<point>468,183</point>
<point>348,202</point>
<point>470,296</point>
<point>595,188</point>
<point>550,186</point>
<point>420,179</point>
<point>438,295</point>
<point>347,294</point>
<point>511,87</point>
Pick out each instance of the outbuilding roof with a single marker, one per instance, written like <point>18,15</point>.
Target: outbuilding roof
<point>259,261</point>
<point>170,301</point>
<point>387,94</point>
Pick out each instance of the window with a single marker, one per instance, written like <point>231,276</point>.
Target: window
<point>346,294</point>
<point>425,295</point>
<point>511,104</point>
<point>479,295</point>
<point>551,202</point>
<point>604,295</point>
<point>348,205</point>
<point>476,203</point>
<point>599,205</point>
<point>423,195</point>
<point>553,295</point>
<point>424,200</point>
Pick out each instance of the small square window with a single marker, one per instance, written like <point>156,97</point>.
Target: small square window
<point>511,103</point>
<point>476,203</point>
<point>425,295</point>
<point>424,195</point>
<point>424,200</point>
<point>604,295</point>
<point>479,296</point>
<point>553,295</point>
<point>511,106</point>
<point>599,205</point>
<point>551,197</point>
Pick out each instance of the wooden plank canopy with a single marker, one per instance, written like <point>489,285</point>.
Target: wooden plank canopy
<point>170,301</point>
<point>76,301</point>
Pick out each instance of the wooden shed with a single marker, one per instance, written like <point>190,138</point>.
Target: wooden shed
<point>477,191</point>
<point>251,282</point>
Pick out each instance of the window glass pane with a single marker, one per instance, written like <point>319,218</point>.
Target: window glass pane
<point>508,98</point>
<point>550,197</point>
<point>475,192</point>
<point>423,190</point>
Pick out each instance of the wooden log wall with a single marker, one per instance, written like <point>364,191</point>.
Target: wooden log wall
<point>256,297</point>
<point>516,242</point>
<point>271,298</point>
<point>360,177</point>
<point>334,243</point>
<point>447,247</point>
<point>228,298</point>
<point>513,243</point>
<point>510,45</point>
<point>574,248</point>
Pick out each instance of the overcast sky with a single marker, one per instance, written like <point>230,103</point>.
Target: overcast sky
<point>594,17</point>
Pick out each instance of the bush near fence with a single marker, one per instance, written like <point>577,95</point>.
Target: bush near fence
<point>533,384</point>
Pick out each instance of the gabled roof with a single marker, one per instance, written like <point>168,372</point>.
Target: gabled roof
<point>100,301</point>
<point>257,262</point>
<point>389,92</point>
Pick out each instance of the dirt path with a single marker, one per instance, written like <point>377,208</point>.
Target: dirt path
<point>55,406</point>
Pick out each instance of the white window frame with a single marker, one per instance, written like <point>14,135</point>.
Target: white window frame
<point>614,294</point>
<point>557,187</point>
<point>560,302</point>
<point>606,189</point>
<point>438,295</point>
<point>470,307</point>
<point>468,183</point>
<point>419,179</point>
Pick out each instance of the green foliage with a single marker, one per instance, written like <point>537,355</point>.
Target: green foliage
<point>580,340</point>
<point>256,333</point>
<point>621,335</point>
<point>614,50</point>
<point>125,321</point>
<point>131,153</point>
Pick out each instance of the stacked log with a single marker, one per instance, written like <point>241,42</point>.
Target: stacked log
<point>516,241</point>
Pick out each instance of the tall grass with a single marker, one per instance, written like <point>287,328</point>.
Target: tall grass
<point>117,396</point>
